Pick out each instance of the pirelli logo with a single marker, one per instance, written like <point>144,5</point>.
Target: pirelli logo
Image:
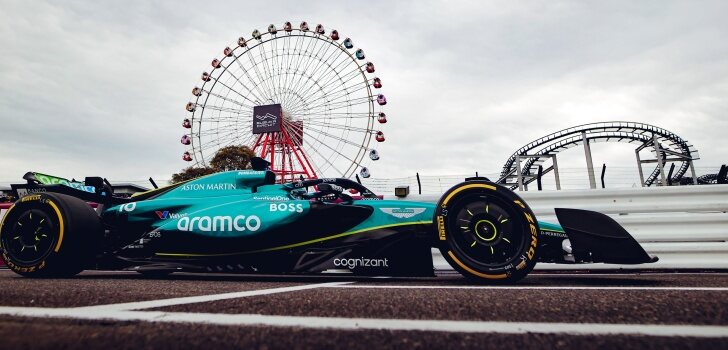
<point>534,234</point>
<point>30,198</point>
<point>441,227</point>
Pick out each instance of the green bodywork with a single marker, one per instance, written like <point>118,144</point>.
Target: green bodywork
<point>239,204</point>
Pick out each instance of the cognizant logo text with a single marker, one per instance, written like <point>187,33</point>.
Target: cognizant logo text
<point>364,262</point>
<point>219,223</point>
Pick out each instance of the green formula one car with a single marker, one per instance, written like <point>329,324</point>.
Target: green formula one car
<point>242,221</point>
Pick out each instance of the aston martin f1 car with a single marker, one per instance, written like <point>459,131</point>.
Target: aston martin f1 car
<point>243,221</point>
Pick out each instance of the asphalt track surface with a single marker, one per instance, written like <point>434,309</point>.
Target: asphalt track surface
<point>124,310</point>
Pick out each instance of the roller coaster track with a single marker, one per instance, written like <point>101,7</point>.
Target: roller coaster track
<point>626,132</point>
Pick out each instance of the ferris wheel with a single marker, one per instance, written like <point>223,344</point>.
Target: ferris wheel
<point>303,99</point>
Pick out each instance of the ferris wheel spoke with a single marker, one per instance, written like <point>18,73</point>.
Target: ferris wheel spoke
<point>334,67</point>
<point>324,61</point>
<point>240,82</point>
<point>345,79</point>
<point>267,67</point>
<point>313,78</point>
<point>342,155</point>
<point>213,145</point>
<point>348,142</point>
<point>335,115</point>
<point>338,126</point>
<point>312,58</point>
<point>344,82</point>
<point>334,72</point>
<point>259,80</point>
<point>218,81</point>
<point>302,55</point>
<point>342,104</point>
<point>343,92</point>
<point>229,119</point>
<point>290,60</point>
<point>264,65</point>
<point>218,133</point>
<point>302,150</point>
<point>220,108</point>
<point>324,158</point>
<point>260,94</point>
<point>273,64</point>
<point>228,99</point>
<point>346,93</point>
<point>280,63</point>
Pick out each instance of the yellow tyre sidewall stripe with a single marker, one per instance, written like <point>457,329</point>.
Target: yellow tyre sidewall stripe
<point>476,273</point>
<point>60,225</point>
<point>2,222</point>
<point>460,189</point>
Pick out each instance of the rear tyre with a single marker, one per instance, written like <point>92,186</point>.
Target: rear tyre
<point>487,232</point>
<point>49,235</point>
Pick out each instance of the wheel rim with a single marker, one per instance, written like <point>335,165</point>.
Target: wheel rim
<point>30,238</point>
<point>488,231</point>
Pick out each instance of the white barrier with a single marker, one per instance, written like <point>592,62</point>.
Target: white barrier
<point>685,226</point>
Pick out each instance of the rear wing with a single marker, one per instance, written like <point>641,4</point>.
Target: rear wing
<point>93,189</point>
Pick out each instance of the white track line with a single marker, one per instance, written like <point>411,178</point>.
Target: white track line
<point>201,298</point>
<point>636,273</point>
<point>385,286</point>
<point>340,323</point>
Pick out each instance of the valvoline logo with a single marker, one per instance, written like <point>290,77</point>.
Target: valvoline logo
<point>166,214</point>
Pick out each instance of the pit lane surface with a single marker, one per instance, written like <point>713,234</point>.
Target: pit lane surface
<point>546,310</point>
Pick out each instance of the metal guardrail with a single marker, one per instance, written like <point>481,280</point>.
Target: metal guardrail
<point>686,226</point>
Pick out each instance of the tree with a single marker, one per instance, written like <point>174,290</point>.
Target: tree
<point>225,159</point>
<point>232,158</point>
<point>191,173</point>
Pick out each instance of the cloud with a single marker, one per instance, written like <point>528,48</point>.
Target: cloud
<point>99,88</point>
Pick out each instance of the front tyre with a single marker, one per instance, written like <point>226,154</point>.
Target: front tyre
<point>487,232</point>
<point>49,235</point>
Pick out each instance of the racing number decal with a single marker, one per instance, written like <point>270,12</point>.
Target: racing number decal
<point>128,207</point>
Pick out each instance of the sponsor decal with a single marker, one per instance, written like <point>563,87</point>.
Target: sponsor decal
<point>208,187</point>
<point>441,227</point>
<point>166,214</point>
<point>25,191</point>
<point>554,234</point>
<point>52,180</point>
<point>403,213</point>
<point>30,198</point>
<point>534,236</point>
<point>289,207</point>
<point>272,198</point>
<point>267,118</point>
<point>250,172</point>
<point>238,223</point>
<point>361,262</point>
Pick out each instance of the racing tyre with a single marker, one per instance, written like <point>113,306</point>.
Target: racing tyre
<point>49,235</point>
<point>487,232</point>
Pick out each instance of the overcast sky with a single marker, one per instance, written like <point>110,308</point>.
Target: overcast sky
<point>99,87</point>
